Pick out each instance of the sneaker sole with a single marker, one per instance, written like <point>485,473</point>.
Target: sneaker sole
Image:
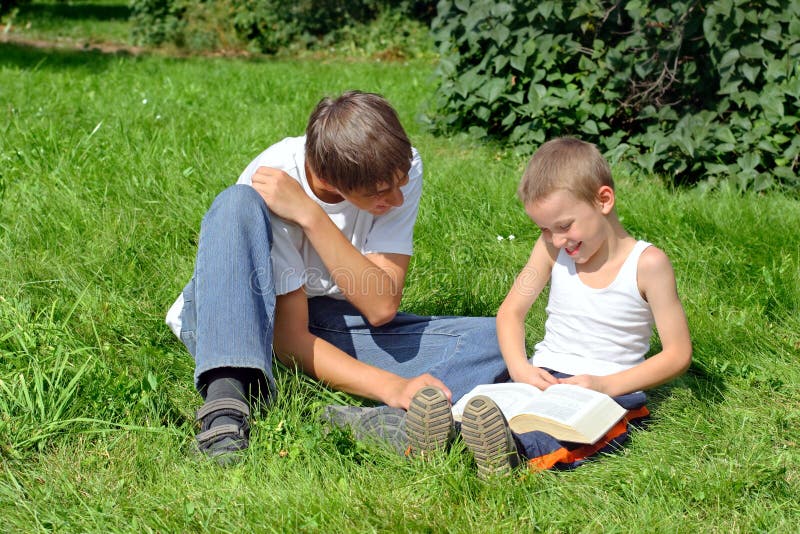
<point>485,431</point>
<point>429,421</point>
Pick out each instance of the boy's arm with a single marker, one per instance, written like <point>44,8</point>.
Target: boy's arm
<point>511,316</point>
<point>657,283</point>
<point>296,346</point>
<point>373,283</point>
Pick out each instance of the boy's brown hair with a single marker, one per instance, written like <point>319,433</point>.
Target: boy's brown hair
<point>356,142</point>
<point>566,164</point>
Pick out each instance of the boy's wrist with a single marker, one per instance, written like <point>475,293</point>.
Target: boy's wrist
<point>311,217</point>
<point>519,369</point>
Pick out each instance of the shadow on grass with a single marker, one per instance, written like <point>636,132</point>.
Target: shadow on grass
<point>84,11</point>
<point>706,383</point>
<point>28,56</point>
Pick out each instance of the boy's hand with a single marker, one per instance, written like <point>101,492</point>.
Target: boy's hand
<point>535,376</point>
<point>402,390</point>
<point>283,194</point>
<point>596,383</point>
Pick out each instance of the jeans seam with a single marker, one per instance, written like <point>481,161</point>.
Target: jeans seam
<point>353,332</point>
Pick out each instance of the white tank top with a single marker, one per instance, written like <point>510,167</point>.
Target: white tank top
<point>595,331</point>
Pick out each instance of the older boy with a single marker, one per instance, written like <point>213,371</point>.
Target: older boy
<point>307,256</point>
<point>607,290</point>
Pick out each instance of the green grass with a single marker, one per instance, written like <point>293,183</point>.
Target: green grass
<point>107,164</point>
<point>65,22</point>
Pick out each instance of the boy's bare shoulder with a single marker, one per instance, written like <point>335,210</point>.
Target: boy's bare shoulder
<point>654,262</point>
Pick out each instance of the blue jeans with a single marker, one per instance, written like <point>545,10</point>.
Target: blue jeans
<point>229,312</point>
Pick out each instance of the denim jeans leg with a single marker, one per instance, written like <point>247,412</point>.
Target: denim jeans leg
<point>229,305</point>
<point>460,351</point>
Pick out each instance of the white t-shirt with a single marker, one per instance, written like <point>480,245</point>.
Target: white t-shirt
<point>295,262</point>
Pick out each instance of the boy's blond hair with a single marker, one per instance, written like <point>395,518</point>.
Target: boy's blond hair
<point>566,164</point>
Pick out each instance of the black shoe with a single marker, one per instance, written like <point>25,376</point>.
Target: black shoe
<point>224,443</point>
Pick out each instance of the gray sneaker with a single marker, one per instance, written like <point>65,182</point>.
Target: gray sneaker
<point>485,431</point>
<point>382,425</point>
<point>429,422</point>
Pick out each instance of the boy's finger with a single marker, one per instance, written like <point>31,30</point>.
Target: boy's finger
<point>547,377</point>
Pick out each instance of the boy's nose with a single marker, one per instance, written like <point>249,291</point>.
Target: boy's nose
<point>559,241</point>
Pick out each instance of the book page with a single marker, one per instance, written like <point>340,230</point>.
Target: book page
<point>511,397</point>
<point>565,403</point>
<point>570,413</point>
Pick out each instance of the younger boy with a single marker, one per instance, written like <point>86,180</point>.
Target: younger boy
<point>607,290</point>
<point>307,256</point>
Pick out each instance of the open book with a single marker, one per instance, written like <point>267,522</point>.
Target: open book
<point>566,412</point>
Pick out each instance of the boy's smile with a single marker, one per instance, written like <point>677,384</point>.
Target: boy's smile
<point>573,250</point>
<point>572,224</point>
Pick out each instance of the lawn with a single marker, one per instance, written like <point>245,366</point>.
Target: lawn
<point>67,22</point>
<point>107,164</point>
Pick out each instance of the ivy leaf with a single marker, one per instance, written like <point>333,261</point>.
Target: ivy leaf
<point>685,143</point>
<point>773,108</point>
<point>772,33</point>
<point>729,58</point>
<point>717,168</point>
<point>725,135</point>
<point>750,72</point>
<point>463,5</point>
<point>748,162</point>
<point>647,161</point>
<point>502,9</point>
<point>518,62</point>
<point>752,51</point>
<point>500,33</point>
<point>545,9</point>
<point>590,127</point>
<point>762,182</point>
<point>492,89</point>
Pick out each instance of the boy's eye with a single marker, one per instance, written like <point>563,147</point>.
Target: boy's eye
<point>565,227</point>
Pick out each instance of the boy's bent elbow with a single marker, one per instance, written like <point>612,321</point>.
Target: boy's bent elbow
<point>682,361</point>
<point>687,360</point>
<point>383,314</point>
<point>381,318</point>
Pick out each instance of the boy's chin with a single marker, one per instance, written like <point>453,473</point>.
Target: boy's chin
<point>379,211</point>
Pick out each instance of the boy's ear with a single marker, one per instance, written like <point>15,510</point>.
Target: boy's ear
<point>605,199</point>
<point>326,186</point>
<point>321,182</point>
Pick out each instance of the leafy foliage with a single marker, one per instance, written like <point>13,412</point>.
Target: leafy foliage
<point>689,89</point>
<point>8,5</point>
<point>263,25</point>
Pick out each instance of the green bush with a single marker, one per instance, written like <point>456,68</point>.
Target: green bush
<point>695,91</point>
<point>8,5</point>
<point>267,26</point>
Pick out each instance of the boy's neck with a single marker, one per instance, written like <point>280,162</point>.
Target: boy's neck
<point>616,248</point>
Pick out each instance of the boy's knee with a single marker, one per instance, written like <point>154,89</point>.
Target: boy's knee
<point>238,201</point>
<point>236,196</point>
